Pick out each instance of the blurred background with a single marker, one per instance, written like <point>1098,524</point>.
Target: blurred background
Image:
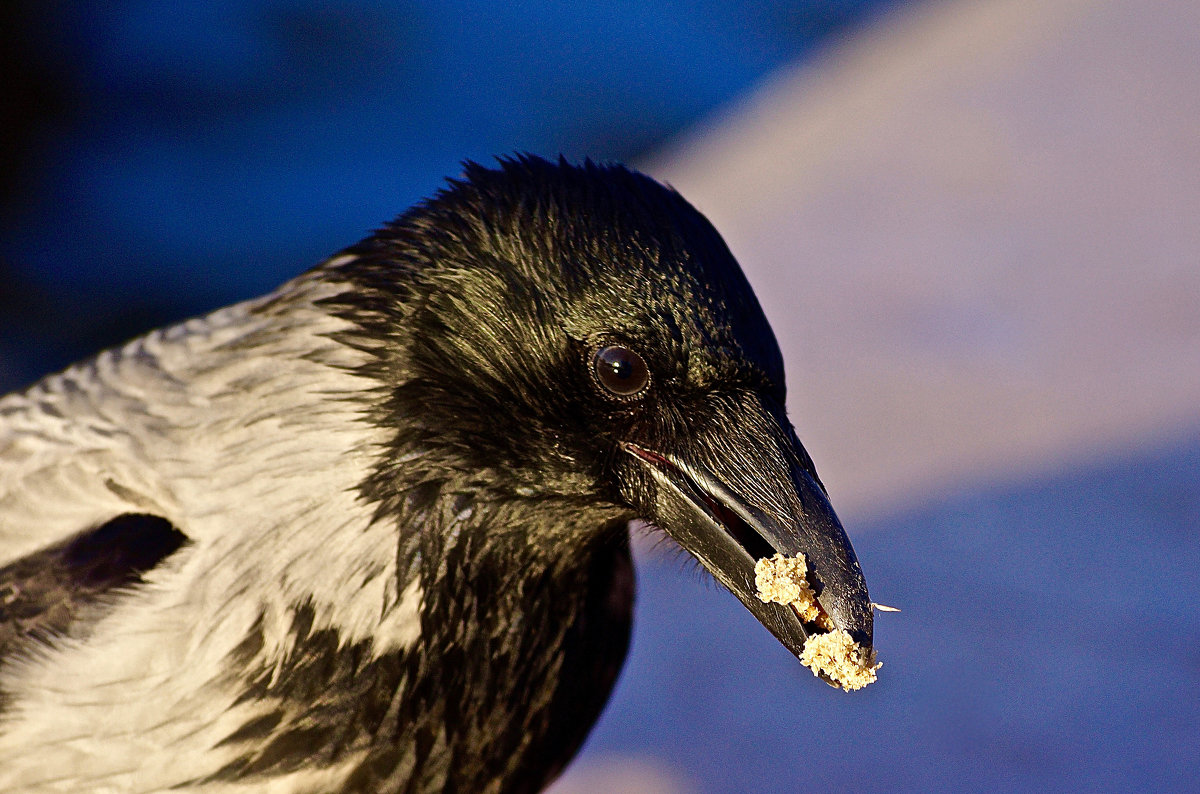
<point>973,224</point>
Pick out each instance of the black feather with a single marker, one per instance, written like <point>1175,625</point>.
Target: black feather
<point>43,595</point>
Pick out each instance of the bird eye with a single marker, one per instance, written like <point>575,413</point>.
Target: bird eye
<point>620,370</point>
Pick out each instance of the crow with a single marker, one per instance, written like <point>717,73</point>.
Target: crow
<point>370,532</point>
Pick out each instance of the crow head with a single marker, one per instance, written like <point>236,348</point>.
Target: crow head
<point>581,338</point>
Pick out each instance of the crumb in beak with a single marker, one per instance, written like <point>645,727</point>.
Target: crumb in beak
<point>784,580</point>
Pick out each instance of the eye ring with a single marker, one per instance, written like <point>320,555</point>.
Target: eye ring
<point>620,371</point>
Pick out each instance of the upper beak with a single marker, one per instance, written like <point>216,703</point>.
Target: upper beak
<point>741,488</point>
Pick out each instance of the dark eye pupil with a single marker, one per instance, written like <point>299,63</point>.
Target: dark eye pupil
<point>620,370</point>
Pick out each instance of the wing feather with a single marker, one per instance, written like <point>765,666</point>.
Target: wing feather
<point>43,594</point>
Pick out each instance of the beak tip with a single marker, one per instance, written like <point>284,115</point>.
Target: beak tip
<point>851,613</point>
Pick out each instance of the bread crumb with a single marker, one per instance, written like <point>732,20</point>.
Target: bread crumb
<point>784,580</point>
<point>840,658</point>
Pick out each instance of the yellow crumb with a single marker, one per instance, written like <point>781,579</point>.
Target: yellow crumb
<point>783,580</point>
<point>840,658</point>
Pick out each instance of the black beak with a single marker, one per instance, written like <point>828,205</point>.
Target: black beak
<point>741,488</point>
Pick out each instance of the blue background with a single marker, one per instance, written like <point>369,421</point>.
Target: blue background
<point>168,158</point>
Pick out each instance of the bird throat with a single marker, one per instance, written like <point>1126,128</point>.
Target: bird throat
<point>522,636</point>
